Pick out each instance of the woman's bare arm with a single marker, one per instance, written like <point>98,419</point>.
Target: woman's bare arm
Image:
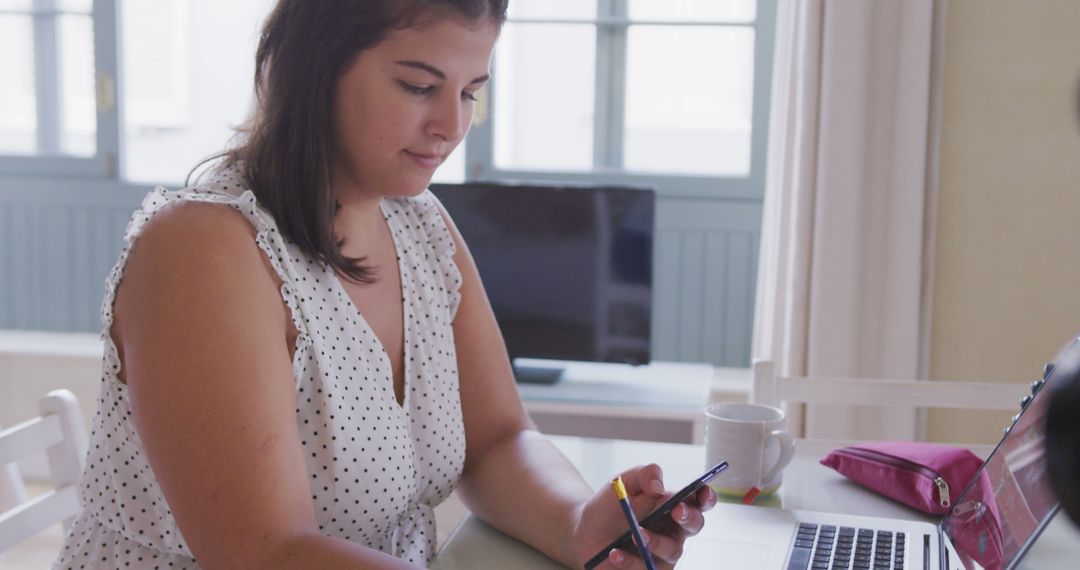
<point>516,479</point>
<point>204,339</point>
<point>506,458</point>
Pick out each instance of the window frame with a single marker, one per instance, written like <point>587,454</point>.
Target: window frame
<point>612,23</point>
<point>105,163</point>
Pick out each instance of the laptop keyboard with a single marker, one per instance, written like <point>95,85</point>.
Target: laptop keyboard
<point>826,547</point>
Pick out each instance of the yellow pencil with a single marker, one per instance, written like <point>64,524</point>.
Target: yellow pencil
<point>635,530</point>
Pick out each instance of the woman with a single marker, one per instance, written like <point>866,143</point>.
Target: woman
<point>301,361</point>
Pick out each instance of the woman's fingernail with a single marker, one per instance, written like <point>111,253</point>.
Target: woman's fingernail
<point>618,557</point>
<point>657,486</point>
<point>684,513</point>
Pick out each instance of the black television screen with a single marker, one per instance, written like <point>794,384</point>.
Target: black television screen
<point>568,269</point>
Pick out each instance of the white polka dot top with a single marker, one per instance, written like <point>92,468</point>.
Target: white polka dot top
<point>376,468</point>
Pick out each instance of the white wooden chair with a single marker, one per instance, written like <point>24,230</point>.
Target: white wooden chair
<point>773,390</point>
<point>60,433</point>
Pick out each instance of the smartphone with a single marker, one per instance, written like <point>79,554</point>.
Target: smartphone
<point>658,521</point>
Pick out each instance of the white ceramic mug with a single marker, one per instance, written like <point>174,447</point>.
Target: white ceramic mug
<point>752,439</point>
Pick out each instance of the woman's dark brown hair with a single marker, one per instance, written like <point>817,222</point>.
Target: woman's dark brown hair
<point>286,147</point>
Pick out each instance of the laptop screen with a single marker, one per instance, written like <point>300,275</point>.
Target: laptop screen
<point>1010,500</point>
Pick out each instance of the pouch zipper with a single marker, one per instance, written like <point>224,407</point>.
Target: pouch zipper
<point>942,486</point>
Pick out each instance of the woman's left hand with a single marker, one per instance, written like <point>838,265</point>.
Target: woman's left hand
<point>600,520</point>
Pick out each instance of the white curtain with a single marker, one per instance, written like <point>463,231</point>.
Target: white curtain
<point>841,278</point>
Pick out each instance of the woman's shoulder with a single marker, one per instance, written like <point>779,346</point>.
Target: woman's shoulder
<point>221,179</point>
<point>196,260</point>
<point>197,266</point>
<point>200,225</point>
<point>195,245</point>
<point>218,213</point>
<point>207,231</point>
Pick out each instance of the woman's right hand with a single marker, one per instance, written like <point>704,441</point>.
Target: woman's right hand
<point>600,520</point>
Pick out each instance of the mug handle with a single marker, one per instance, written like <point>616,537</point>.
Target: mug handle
<point>787,452</point>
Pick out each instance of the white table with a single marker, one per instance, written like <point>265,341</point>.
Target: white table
<point>807,486</point>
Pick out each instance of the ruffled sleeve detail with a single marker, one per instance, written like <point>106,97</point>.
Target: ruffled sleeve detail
<point>430,212</point>
<point>267,238</point>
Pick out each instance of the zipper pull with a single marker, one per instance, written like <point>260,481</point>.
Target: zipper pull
<point>943,492</point>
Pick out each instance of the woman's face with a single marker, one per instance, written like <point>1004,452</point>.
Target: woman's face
<point>403,105</point>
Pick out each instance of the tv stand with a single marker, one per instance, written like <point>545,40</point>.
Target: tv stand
<point>527,374</point>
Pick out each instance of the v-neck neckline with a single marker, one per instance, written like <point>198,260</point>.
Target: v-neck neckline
<point>386,360</point>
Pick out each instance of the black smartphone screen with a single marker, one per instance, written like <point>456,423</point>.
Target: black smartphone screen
<point>658,521</point>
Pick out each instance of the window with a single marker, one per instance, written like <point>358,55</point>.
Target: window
<point>669,92</point>
<point>178,99</point>
<point>101,97</point>
<point>673,93</point>
<point>187,81</point>
<point>185,95</point>
<point>62,111</point>
<point>57,113</point>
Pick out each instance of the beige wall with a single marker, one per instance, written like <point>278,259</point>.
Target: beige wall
<point>1007,268</point>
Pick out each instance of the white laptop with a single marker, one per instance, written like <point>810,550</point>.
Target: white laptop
<point>991,525</point>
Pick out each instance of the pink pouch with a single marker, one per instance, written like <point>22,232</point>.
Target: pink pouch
<point>923,476</point>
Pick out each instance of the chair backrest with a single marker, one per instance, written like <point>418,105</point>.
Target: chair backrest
<point>773,390</point>
<point>59,432</point>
